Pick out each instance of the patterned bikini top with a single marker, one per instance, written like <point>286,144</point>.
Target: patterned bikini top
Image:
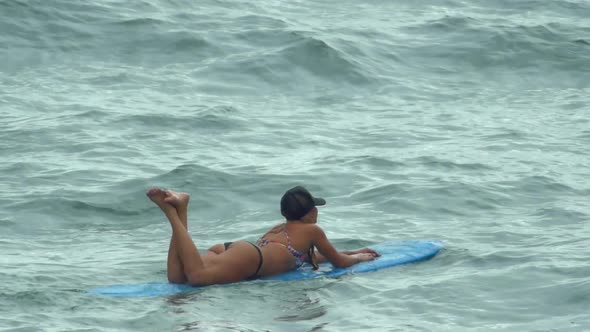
<point>299,256</point>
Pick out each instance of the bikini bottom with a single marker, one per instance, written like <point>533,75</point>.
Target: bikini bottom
<point>255,275</point>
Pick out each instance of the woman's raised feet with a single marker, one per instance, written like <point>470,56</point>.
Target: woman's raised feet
<point>169,199</point>
<point>178,199</point>
<point>158,196</point>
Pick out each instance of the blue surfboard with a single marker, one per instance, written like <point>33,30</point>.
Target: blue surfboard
<point>392,253</point>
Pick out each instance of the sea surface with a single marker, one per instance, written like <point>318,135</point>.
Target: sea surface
<point>462,121</point>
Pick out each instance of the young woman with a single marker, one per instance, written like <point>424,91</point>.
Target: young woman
<point>285,247</point>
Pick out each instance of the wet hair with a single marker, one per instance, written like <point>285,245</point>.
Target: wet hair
<point>311,256</point>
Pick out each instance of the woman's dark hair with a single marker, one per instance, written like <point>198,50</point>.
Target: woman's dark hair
<point>311,256</point>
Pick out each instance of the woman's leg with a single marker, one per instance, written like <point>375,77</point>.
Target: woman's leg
<point>175,269</point>
<point>174,266</point>
<point>186,252</point>
<point>226,267</point>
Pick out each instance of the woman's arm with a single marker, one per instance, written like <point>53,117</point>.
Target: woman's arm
<point>327,252</point>
<point>319,258</point>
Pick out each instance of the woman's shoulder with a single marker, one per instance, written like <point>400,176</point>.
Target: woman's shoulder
<point>309,228</point>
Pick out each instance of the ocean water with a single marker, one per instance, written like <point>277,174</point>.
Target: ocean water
<point>463,121</point>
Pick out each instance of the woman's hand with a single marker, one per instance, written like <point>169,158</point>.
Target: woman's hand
<point>364,257</point>
<point>366,251</point>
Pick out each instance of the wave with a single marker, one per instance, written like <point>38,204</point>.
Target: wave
<point>141,22</point>
<point>325,60</point>
<point>534,184</point>
<point>447,165</point>
<point>500,43</point>
<point>199,118</point>
<point>73,206</point>
<point>58,30</point>
<point>360,161</point>
<point>558,216</point>
<point>287,58</point>
<point>257,44</point>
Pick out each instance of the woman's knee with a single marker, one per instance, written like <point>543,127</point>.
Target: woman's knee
<point>200,278</point>
<point>176,280</point>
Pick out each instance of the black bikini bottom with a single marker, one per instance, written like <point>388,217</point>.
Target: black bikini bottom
<point>255,275</point>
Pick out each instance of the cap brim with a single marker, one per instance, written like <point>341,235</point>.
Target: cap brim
<point>319,201</point>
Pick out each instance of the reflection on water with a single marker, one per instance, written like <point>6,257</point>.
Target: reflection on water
<point>184,298</point>
<point>303,307</point>
<point>200,326</point>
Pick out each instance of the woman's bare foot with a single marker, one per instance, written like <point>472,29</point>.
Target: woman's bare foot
<point>178,199</point>
<point>158,196</point>
<point>169,199</point>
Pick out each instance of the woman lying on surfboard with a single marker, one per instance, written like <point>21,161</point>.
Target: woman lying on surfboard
<point>285,247</point>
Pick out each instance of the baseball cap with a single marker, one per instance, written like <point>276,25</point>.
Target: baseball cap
<point>297,202</point>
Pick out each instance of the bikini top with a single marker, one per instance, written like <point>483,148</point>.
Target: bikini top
<point>299,256</point>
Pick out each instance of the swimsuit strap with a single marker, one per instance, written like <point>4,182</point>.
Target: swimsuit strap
<point>298,255</point>
<point>260,260</point>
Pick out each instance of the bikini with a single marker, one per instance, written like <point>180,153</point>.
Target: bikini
<point>299,256</point>
<point>255,275</point>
